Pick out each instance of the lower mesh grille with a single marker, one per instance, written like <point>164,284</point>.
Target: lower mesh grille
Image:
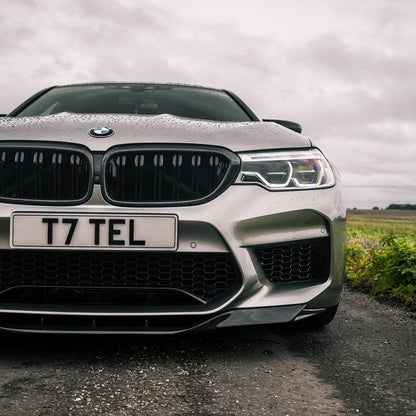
<point>204,276</point>
<point>295,261</point>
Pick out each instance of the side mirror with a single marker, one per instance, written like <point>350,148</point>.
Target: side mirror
<point>288,124</point>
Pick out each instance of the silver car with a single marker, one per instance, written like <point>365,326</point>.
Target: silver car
<point>163,208</point>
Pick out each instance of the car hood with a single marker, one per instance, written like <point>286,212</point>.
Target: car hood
<point>165,128</point>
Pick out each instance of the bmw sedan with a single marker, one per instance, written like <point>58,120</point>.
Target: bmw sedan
<point>163,208</point>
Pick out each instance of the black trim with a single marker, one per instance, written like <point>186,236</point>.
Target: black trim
<point>38,322</point>
<point>229,177</point>
<point>292,125</point>
<point>122,298</point>
<point>98,160</point>
<point>29,101</point>
<point>242,105</point>
<point>51,146</point>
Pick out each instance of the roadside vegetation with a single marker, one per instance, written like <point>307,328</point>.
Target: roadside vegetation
<point>381,255</point>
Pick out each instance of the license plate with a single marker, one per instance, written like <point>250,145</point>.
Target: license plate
<point>138,232</point>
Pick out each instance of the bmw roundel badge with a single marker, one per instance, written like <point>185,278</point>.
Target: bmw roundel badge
<point>101,132</point>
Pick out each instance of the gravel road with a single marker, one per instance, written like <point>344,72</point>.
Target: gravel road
<point>363,363</point>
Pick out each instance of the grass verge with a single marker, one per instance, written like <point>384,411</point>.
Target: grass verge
<point>381,259</point>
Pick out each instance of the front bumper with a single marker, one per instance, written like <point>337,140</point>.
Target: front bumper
<point>238,221</point>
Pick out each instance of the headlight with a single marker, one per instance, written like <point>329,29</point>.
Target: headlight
<point>281,171</point>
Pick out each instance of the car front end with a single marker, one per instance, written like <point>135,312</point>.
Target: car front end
<point>119,223</point>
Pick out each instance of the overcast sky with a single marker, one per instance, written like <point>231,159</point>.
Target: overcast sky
<point>344,69</point>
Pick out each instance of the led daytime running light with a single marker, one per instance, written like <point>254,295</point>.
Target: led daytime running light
<point>295,170</point>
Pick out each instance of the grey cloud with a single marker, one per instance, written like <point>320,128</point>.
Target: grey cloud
<point>357,65</point>
<point>351,87</point>
<point>71,39</point>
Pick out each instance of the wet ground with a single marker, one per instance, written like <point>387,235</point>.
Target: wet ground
<point>363,363</point>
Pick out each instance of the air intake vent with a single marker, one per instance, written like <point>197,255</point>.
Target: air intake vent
<point>174,175</point>
<point>44,173</point>
<point>204,276</point>
<point>296,261</point>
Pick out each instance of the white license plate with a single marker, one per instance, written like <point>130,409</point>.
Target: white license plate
<point>138,232</point>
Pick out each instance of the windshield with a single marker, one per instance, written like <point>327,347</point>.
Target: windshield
<point>184,101</point>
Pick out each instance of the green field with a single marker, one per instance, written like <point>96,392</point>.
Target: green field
<point>381,254</point>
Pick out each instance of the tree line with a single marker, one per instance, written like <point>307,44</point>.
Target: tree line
<point>402,206</point>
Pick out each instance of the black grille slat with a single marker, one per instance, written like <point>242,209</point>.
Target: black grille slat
<point>160,175</point>
<point>30,172</point>
<point>56,174</point>
<point>205,276</point>
<point>74,182</point>
<point>97,296</point>
<point>157,176</point>
<point>19,183</point>
<point>2,170</point>
<point>38,165</point>
<point>136,324</point>
<point>196,163</point>
<point>138,176</point>
<point>295,261</point>
<point>176,175</point>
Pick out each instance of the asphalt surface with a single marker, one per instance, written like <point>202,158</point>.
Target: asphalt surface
<point>363,363</point>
